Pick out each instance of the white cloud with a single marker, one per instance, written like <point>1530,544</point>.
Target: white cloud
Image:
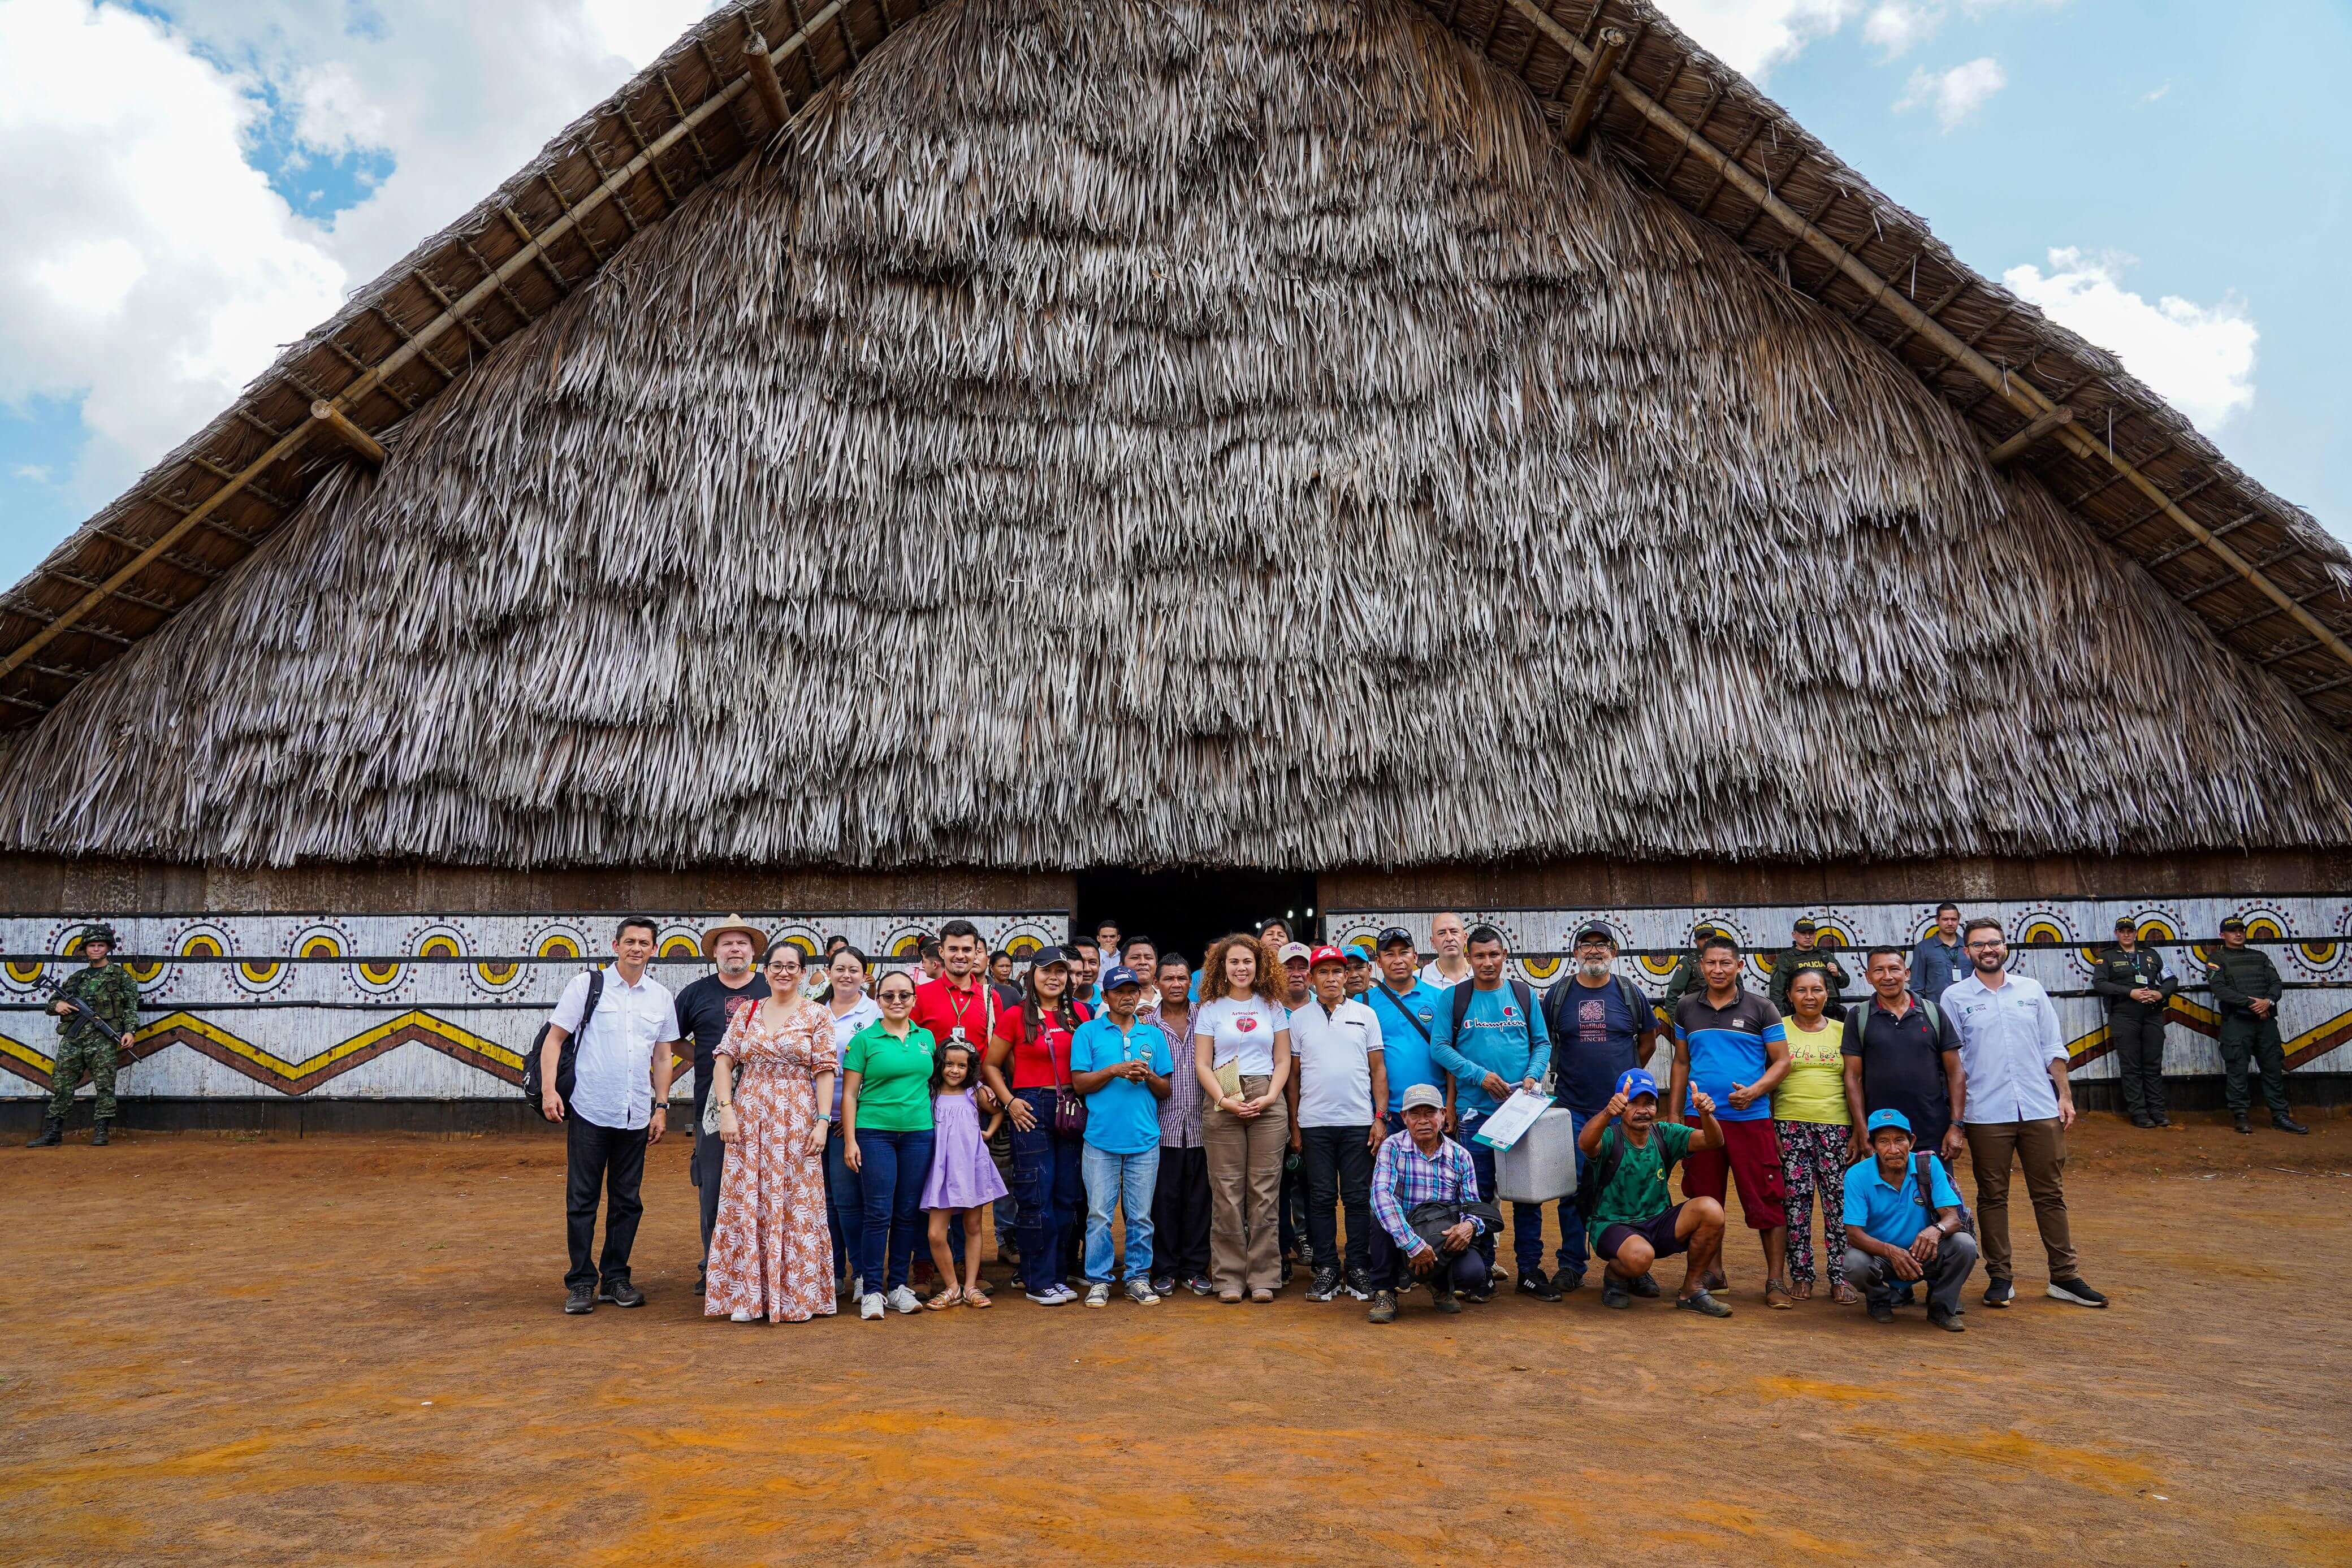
<point>2159,93</point>
<point>1899,25</point>
<point>2198,357</point>
<point>1956,94</point>
<point>1753,35</point>
<point>38,473</point>
<point>150,270</point>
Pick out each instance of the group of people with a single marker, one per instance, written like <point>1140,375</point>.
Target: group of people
<point>1133,1125</point>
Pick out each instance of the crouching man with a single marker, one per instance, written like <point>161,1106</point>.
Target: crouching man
<point>1426,1213</point>
<point>1628,1155</point>
<point>1897,1231</point>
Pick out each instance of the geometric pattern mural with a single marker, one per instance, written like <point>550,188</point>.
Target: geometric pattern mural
<point>379,1007</point>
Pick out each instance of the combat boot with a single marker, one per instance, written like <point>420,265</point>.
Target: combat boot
<point>53,1132</point>
<point>98,1134</point>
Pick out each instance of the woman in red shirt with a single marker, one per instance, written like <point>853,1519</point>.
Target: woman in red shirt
<point>1048,1186</point>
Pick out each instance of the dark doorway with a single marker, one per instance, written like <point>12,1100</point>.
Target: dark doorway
<point>1187,910</point>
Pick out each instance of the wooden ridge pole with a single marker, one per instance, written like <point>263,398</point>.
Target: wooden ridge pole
<point>293,440</point>
<point>2025,440</point>
<point>1587,102</point>
<point>337,424</point>
<point>2020,393</point>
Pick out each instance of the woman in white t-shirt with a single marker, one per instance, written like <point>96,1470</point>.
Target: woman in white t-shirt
<point>1241,1053</point>
<point>852,1009</point>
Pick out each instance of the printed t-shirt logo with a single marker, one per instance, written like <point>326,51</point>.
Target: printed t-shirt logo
<point>1245,1023</point>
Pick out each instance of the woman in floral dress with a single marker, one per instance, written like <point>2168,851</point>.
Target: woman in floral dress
<point>772,1078</point>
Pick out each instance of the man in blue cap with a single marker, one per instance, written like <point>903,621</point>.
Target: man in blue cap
<point>1629,1217</point>
<point>1897,1231</point>
<point>1120,1063</point>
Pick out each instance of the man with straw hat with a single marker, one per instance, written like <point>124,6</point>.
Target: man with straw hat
<point>98,1012</point>
<point>704,1010</point>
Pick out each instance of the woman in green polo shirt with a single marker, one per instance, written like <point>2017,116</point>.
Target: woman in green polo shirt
<point>886,1115</point>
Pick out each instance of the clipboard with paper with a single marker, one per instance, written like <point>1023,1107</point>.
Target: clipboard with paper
<point>1512,1119</point>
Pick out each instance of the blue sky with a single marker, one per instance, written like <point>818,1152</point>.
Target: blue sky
<point>2170,173</point>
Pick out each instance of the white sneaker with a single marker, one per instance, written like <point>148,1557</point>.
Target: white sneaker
<point>742,1315</point>
<point>903,1300</point>
<point>1140,1293</point>
<point>1051,1296</point>
<point>869,1309</point>
<point>1098,1295</point>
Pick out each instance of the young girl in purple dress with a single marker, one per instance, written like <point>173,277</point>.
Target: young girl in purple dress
<point>963,1180</point>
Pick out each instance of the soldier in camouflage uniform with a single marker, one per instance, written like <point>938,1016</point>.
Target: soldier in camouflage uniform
<point>2131,980</point>
<point>1685,976</point>
<point>107,989</point>
<point>2246,990</point>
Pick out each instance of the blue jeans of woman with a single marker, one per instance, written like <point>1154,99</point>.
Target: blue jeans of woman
<point>895,1165</point>
<point>845,1200</point>
<point>1049,1186</point>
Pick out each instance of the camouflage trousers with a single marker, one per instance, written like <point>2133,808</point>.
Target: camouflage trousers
<point>93,1054</point>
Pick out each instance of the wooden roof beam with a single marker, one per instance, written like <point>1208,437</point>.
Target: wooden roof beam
<point>2026,440</point>
<point>2021,393</point>
<point>1587,101</point>
<point>2256,619</point>
<point>335,422</point>
<point>767,83</point>
<point>2191,546</point>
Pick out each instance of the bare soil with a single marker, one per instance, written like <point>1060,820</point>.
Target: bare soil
<point>350,1351</point>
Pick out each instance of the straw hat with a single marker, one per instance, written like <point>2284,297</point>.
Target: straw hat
<point>733,923</point>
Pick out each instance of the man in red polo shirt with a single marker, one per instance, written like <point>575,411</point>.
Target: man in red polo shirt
<point>961,1004</point>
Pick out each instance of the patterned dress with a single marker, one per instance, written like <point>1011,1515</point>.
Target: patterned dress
<point>770,1251</point>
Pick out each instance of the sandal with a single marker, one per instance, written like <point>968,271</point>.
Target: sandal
<point>1802,1290</point>
<point>977,1298</point>
<point>950,1297</point>
<point>1843,1294</point>
<point>1777,1296</point>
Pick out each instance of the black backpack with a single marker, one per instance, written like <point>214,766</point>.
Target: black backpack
<point>1925,1175</point>
<point>533,1087</point>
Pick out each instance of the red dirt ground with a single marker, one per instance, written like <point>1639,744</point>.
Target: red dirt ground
<point>349,1351</point>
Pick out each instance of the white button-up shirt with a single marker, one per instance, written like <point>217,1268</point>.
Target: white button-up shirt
<point>611,1071</point>
<point>2009,1037</point>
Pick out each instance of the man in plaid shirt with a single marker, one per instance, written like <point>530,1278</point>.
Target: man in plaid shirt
<point>1422,1165</point>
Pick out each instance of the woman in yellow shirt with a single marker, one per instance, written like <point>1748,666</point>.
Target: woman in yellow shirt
<point>1816,1133</point>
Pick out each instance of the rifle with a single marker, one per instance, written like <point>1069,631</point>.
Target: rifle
<point>85,1010</point>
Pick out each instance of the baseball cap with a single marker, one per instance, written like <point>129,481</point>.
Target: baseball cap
<point>1634,1084</point>
<point>1596,932</point>
<point>1297,950</point>
<point>1324,954</point>
<point>2233,923</point>
<point>1395,934</point>
<point>1055,953</point>
<point>2125,923</point>
<point>1807,926</point>
<point>1887,1119</point>
<point>1120,975</point>
<point>1423,1096</point>
<point>1358,951</point>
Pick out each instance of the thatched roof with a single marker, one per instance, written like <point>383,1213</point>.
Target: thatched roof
<point>1233,432</point>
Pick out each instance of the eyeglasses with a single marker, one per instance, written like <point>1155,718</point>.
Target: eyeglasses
<point>1984,946</point>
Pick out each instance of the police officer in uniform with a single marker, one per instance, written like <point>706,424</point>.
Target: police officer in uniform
<point>1808,954</point>
<point>107,1018</point>
<point>2132,979</point>
<point>2247,989</point>
<point>1685,977</point>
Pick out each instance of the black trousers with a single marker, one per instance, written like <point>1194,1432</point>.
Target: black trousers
<point>1179,1214</point>
<point>612,1158</point>
<point>2138,1036</point>
<point>1339,1171</point>
<point>1392,1269</point>
<point>706,1170</point>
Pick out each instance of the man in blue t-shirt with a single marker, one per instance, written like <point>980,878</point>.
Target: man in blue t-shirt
<point>1120,1063</point>
<point>1602,1027</point>
<point>1497,1047</point>
<point>1730,1043</point>
<point>1407,1009</point>
<point>1894,1234</point>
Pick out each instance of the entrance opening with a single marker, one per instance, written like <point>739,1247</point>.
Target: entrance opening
<point>1187,910</point>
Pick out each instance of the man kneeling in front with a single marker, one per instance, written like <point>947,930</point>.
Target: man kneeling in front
<point>1425,1210</point>
<point>1628,1153</point>
<point>1897,1232</point>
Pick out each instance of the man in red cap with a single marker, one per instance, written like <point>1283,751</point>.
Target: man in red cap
<point>1342,1081</point>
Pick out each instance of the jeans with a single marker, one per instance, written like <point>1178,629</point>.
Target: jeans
<point>892,1182</point>
<point>1945,1275</point>
<point>612,1159</point>
<point>1465,1270</point>
<point>1573,1255</point>
<point>845,1200</point>
<point>1339,1171</point>
<point>1179,1214</point>
<point>1123,1182</point>
<point>1049,1187</point>
<point>1527,1218</point>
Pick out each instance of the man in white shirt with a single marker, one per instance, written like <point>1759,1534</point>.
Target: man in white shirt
<point>2018,1107</point>
<point>1336,1042</point>
<point>616,1102</point>
<point>1451,968</point>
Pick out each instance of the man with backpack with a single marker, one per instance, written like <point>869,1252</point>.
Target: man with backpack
<point>1490,1036</point>
<point>1902,1054</point>
<point>1634,1222</point>
<point>1904,1222</point>
<point>604,1064</point>
<point>1602,1027</point>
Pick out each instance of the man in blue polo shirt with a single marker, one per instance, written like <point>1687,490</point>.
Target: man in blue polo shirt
<point>1602,1027</point>
<point>1894,1234</point>
<point>1489,1034</point>
<point>1407,1010</point>
<point>1120,1063</point>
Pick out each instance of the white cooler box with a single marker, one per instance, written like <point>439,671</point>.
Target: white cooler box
<point>1542,1165</point>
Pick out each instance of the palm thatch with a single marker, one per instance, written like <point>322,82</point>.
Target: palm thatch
<point>1230,432</point>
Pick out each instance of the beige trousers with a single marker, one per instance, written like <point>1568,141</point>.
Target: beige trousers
<point>1245,1191</point>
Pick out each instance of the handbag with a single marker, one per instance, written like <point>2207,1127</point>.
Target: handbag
<point>1069,1110</point>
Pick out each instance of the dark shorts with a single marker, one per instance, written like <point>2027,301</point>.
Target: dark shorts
<point>1658,1232</point>
<point>1751,1156</point>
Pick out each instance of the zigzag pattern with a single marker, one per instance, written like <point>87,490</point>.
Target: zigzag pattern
<point>418,1028</point>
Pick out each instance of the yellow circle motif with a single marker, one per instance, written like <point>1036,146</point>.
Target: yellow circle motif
<point>680,946</point>
<point>2320,955</point>
<point>906,947</point>
<point>25,973</point>
<point>322,947</point>
<point>200,946</point>
<point>261,973</point>
<point>1540,969</point>
<point>558,945</point>
<point>1022,947</point>
<point>2041,934</point>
